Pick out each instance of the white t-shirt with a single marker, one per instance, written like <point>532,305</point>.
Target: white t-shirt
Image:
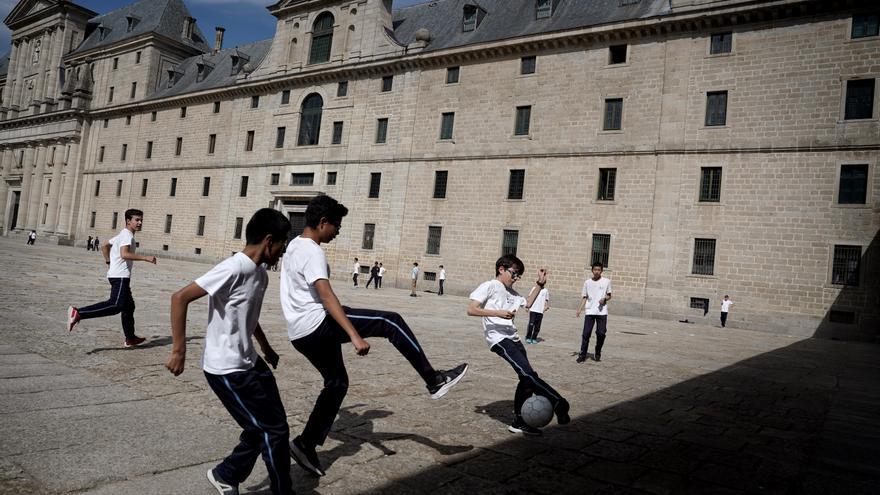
<point>540,300</point>
<point>725,305</point>
<point>236,287</point>
<point>304,264</point>
<point>120,268</point>
<point>381,271</point>
<point>414,272</point>
<point>442,274</point>
<point>356,268</point>
<point>493,295</point>
<point>595,290</point>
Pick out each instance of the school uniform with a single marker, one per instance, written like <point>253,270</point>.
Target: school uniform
<point>119,276</point>
<point>595,290</point>
<point>725,308</point>
<point>442,280</point>
<point>536,313</point>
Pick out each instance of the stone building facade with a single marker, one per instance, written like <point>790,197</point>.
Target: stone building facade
<point>698,148</point>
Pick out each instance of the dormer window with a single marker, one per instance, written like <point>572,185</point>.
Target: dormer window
<point>543,9</point>
<point>473,16</point>
<point>204,69</point>
<point>174,75</point>
<point>188,26</point>
<point>132,22</point>
<point>103,31</point>
<point>238,61</point>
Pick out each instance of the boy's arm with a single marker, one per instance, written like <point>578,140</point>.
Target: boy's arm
<point>583,303</point>
<point>105,250</point>
<point>539,285</point>
<point>269,353</point>
<point>334,308</point>
<point>475,309</point>
<point>179,304</point>
<point>125,254</point>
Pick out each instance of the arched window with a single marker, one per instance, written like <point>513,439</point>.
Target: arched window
<point>322,38</point>
<point>310,120</point>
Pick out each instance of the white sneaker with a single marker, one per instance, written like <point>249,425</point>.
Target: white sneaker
<point>222,487</point>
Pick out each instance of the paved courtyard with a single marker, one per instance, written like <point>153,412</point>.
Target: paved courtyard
<point>672,407</point>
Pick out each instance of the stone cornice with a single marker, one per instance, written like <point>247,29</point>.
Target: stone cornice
<point>42,118</point>
<point>128,44</point>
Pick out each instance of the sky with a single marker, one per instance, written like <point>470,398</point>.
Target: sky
<point>245,20</point>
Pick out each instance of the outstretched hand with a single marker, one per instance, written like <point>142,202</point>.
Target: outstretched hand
<point>542,276</point>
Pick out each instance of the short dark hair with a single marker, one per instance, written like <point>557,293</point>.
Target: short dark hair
<point>267,221</point>
<point>324,206</point>
<point>133,212</point>
<point>508,261</point>
<point>415,263</point>
<point>597,263</point>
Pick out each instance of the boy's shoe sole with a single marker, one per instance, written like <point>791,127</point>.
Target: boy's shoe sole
<point>134,342</point>
<point>222,487</point>
<point>302,459</point>
<point>525,430</point>
<point>446,387</point>
<point>72,318</point>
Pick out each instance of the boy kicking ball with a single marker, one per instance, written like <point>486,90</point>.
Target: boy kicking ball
<point>496,302</point>
<point>241,380</point>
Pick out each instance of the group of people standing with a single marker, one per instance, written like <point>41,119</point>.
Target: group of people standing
<point>93,243</point>
<point>377,271</point>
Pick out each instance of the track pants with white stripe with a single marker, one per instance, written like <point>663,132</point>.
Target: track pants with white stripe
<point>252,398</point>
<point>529,383</point>
<point>323,348</point>
<point>120,302</point>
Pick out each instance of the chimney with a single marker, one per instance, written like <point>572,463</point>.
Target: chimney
<point>218,39</point>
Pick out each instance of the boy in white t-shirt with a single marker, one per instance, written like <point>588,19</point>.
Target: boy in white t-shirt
<point>496,302</point>
<point>414,274</point>
<point>355,271</point>
<point>725,308</point>
<point>441,278</point>
<point>381,274</point>
<point>596,293</point>
<point>536,312</point>
<point>317,324</point>
<point>234,370</point>
<point>119,254</point>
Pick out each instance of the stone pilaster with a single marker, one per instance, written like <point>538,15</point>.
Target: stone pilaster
<point>36,188</point>
<point>57,165</point>
<point>71,173</point>
<point>27,172</point>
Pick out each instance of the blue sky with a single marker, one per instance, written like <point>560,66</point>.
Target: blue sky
<point>244,20</point>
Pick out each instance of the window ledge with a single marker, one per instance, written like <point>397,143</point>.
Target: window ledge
<point>708,203</point>
<point>452,84</point>
<point>509,200</point>
<point>521,136</point>
<point>720,55</point>
<point>610,202</point>
<point>850,206</point>
<point>525,76</point>
<point>438,199</point>
<point>705,127</point>
<point>850,39</point>
<point>450,140</point>
<point>380,144</point>
<point>857,121</point>
<point>614,66</point>
<point>610,131</point>
<point>707,277</point>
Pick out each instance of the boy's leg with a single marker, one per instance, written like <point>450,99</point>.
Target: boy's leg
<point>110,307</point>
<point>440,292</point>
<point>529,382</point>
<point>380,282</point>
<point>531,331</point>
<point>723,319</point>
<point>539,318</point>
<point>585,336</point>
<point>252,398</point>
<point>127,310</point>
<point>601,323</point>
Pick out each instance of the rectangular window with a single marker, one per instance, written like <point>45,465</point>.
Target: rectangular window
<point>331,178</point>
<point>279,137</point>
<point>128,120</point>
<point>124,153</point>
<point>46,212</point>
<point>153,116</point>
<point>447,121</point>
<point>206,186</point>
<point>178,147</point>
<point>845,266</point>
<point>440,177</point>
<point>149,152</point>
<point>134,87</point>
<point>433,246</point>
<point>710,184</point>
<point>285,97</point>
<point>381,131</point>
<point>430,276</point>
<point>239,221</point>
<point>613,114</point>
<point>212,143</point>
<point>137,57</point>
<point>369,233</point>
<point>700,303</point>
<point>115,63</point>
<point>274,179</point>
<point>173,190</point>
<point>716,108</point>
<point>859,99</point>
<point>704,257</point>
<point>242,189</point>
<point>864,25</point>
<point>337,133</point>
<point>516,184</point>
<point>183,112</point>
<point>853,185</point>
<point>302,179</point>
<point>375,183</point>
<point>255,102</point>
<point>509,242</point>
<point>387,83</point>
<point>452,75</point>
<point>200,229</point>
<point>168,220</point>
<point>106,123</point>
<point>543,9</point>
<point>249,141</point>
<point>144,185</point>
<point>617,54</point>
<point>110,94</point>
<point>92,220</point>
<point>101,154</point>
<point>720,43</point>
<point>197,250</point>
<point>527,65</point>
<point>523,121</point>
<point>119,188</point>
<point>97,188</point>
<point>216,107</point>
<point>607,183</point>
<point>601,249</point>
<point>342,89</point>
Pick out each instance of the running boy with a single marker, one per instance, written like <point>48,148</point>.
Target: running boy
<point>119,254</point>
<point>536,312</point>
<point>596,292</point>
<point>496,302</point>
<point>317,325</point>
<point>241,380</point>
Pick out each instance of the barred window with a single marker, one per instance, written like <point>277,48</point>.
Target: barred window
<point>853,184</point>
<point>716,108</point>
<point>119,188</point>
<point>342,89</point>
<point>274,179</point>
<point>322,38</point>
<point>216,107</point>
<point>387,83</point>
<point>279,137</point>
<point>613,114</point>
<point>249,141</point>
<point>452,75</point>
<point>704,257</point>
<point>710,184</point>
<point>434,234</point>
<point>543,9</point>
<point>369,234</point>
<point>285,97</point>
<point>700,303</point>
<point>337,133</point>
<point>310,120</point>
<point>864,25</point>
<point>720,43</point>
<point>440,177</point>
<point>516,184</point>
<point>206,186</point>
<point>375,182</point>
<point>178,147</point>
<point>212,143</point>
<point>173,190</point>
<point>527,64</point>
<point>381,131</point>
<point>239,221</point>
<point>331,178</point>
<point>509,241</point>
<point>601,249</point>
<point>149,152</point>
<point>859,99</point>
<point>523,120</point>
<point>447,121</point>
<point>302,179</point>
<point>144,185</point>
<point>242,189</point>
<point>200,229</point>
<point>845,266</point>
<point>168,220</point>
<point>607,183</point>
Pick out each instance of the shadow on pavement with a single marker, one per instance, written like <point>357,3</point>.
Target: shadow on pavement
<point>153,342</point>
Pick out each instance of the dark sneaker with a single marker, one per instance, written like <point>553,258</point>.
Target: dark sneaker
<point>597,357</point>
<point>72,318</point>
<point>519,426</point>
<point>581,358</point>
<point>223,488</point>
<point>446,380</point>
<point>134,341</point>
<point>306,457</point>
<point>562,416</point>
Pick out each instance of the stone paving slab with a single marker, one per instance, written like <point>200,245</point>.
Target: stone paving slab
<point>672,408</point>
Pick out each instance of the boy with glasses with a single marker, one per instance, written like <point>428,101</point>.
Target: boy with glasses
<point>496,302</point>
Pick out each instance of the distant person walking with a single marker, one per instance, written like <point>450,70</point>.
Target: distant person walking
<point>414,273</point>
<point>89,244</point>
<point>96,243</point>
<point>595,296</point>
<point>32,238</point>
<point>725,308</point>
<point>374,276</point>
<point>355,271</point>
<point>381,274</point>
<point>441,279</point>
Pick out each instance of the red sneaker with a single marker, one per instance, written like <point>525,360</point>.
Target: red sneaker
<point>72,318</point>
<point>134,341</point>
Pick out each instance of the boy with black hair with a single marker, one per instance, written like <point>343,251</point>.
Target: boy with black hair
<point>355,271</point>
<point>374,276</point>
<point>536,312</point>
<point>496,302</point>
<point>234,370</point>
<point>120,256</point>
<point>596,292</point>
<point>317,325</point>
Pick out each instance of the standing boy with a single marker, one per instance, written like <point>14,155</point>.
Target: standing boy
<point>496,302</point>
<point>381,274</point>
<point>725,308</point>
<point>236,374</point>
<point>355,271</point>
<point>317,325</point>
<point>536,312</point>
<point>442,279</point>
<point>414,273</point>
<point>595,296</point>
<point>119,254</point>
<point>374,276</point>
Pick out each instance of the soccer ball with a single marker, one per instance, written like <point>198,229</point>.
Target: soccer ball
<point>537,411</point>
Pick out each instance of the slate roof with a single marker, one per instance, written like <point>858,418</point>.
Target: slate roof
<point>164,17</point>
<point>221,74</point>
<point>513,18</point>
<point>4,65</point>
